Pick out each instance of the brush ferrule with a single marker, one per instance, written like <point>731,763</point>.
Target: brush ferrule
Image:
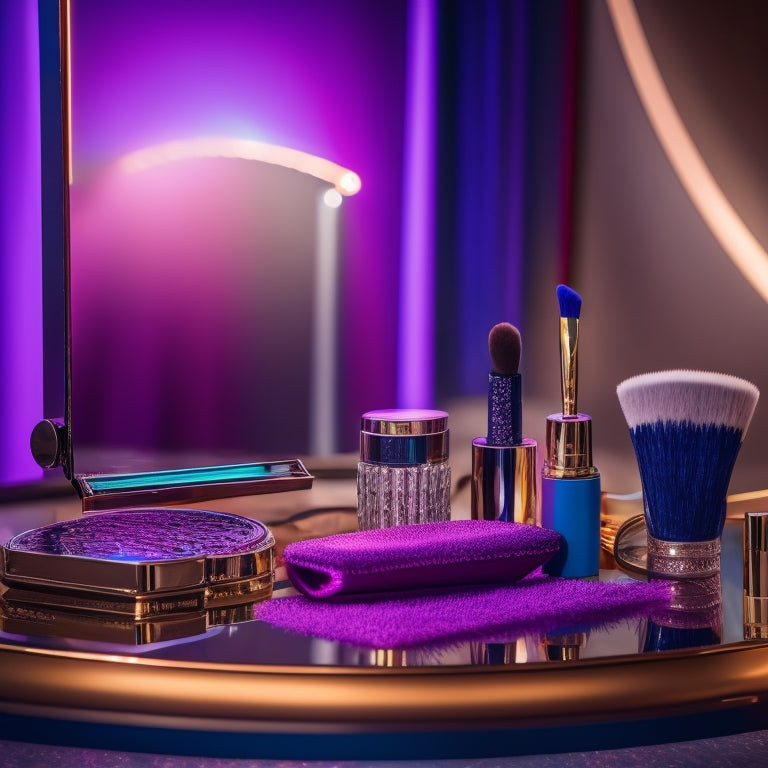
<point>569,446</point>
<point>683,559</point>
<point>569,350</point>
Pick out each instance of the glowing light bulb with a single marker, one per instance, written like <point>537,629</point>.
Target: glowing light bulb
<point>349,183</point>
<point>332,198</point>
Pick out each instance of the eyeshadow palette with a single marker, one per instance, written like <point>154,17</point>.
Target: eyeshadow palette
<point>140,563</point>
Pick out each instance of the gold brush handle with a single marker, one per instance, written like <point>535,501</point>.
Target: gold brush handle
<point>569,350</point>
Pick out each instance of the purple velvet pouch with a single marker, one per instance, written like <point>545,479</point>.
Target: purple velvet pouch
<point>418,557</point>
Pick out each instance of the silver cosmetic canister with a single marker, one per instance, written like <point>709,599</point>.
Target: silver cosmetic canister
<point>756,575</point>
<point>403,476</point>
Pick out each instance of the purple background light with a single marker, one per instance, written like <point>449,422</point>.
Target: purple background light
<point>21,365</point>
<point>417,279</point>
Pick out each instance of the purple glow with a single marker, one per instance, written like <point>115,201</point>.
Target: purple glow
<point>324,78</point>
<point>21,362</point>
<point>415,384</point>
<point>516,175</point>
<point>188,248</point>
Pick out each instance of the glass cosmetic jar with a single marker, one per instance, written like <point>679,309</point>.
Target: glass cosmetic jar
<point>403,475</point>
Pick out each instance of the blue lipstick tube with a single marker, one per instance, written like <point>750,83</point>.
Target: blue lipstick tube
<point>570,496</point>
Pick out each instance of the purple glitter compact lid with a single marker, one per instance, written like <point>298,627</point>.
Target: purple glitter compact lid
<point>135,554</point>
<point>145,535</point>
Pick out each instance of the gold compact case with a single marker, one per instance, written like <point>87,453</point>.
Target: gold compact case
<point>140,564</point>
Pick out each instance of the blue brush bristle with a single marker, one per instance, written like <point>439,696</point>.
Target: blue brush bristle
<point>700,458</point>
<point>686,429</point>
<point>570,301</point>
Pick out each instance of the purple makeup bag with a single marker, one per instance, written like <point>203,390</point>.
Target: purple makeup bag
<point>417,557</point>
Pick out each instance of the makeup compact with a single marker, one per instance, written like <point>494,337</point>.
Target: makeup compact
<point>139,565</point>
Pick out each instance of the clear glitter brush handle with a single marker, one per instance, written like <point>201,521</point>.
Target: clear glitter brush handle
<point>505,409</point>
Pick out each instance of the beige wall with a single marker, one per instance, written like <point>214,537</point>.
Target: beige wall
<point>659,291</point>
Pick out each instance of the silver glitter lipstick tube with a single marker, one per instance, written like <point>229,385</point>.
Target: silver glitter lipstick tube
<point>403,476</point>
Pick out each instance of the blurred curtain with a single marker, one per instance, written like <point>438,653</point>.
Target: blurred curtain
<point>507,100</point>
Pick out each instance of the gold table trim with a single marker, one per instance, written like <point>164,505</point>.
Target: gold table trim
<point>130,690</point>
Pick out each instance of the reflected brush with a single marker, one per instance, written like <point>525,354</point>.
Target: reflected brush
<point>693,618</point>
<point>686,428</point>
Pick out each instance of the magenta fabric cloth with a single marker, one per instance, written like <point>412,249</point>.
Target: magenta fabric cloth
<point>537,604</point>
<point>407,557</point>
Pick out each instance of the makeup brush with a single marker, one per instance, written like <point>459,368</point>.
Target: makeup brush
<point>505,402</point>
<point>693,617</point>
<point>570,484</point>
<point>686,429</point>
<point>504,462</point>
<point>570,311</point>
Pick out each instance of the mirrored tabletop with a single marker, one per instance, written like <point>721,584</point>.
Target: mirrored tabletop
<point>306,695</point>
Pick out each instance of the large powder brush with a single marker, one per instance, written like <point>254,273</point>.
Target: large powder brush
<point>687,428</point>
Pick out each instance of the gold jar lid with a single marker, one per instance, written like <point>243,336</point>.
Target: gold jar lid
<point>404,437</point>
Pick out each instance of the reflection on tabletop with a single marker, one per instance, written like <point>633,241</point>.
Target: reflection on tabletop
<point>329,507</point>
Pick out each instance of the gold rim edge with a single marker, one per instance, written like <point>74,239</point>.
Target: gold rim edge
<point>297,697</point>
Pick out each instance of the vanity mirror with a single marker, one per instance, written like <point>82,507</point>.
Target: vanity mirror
<point>199,263</point>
